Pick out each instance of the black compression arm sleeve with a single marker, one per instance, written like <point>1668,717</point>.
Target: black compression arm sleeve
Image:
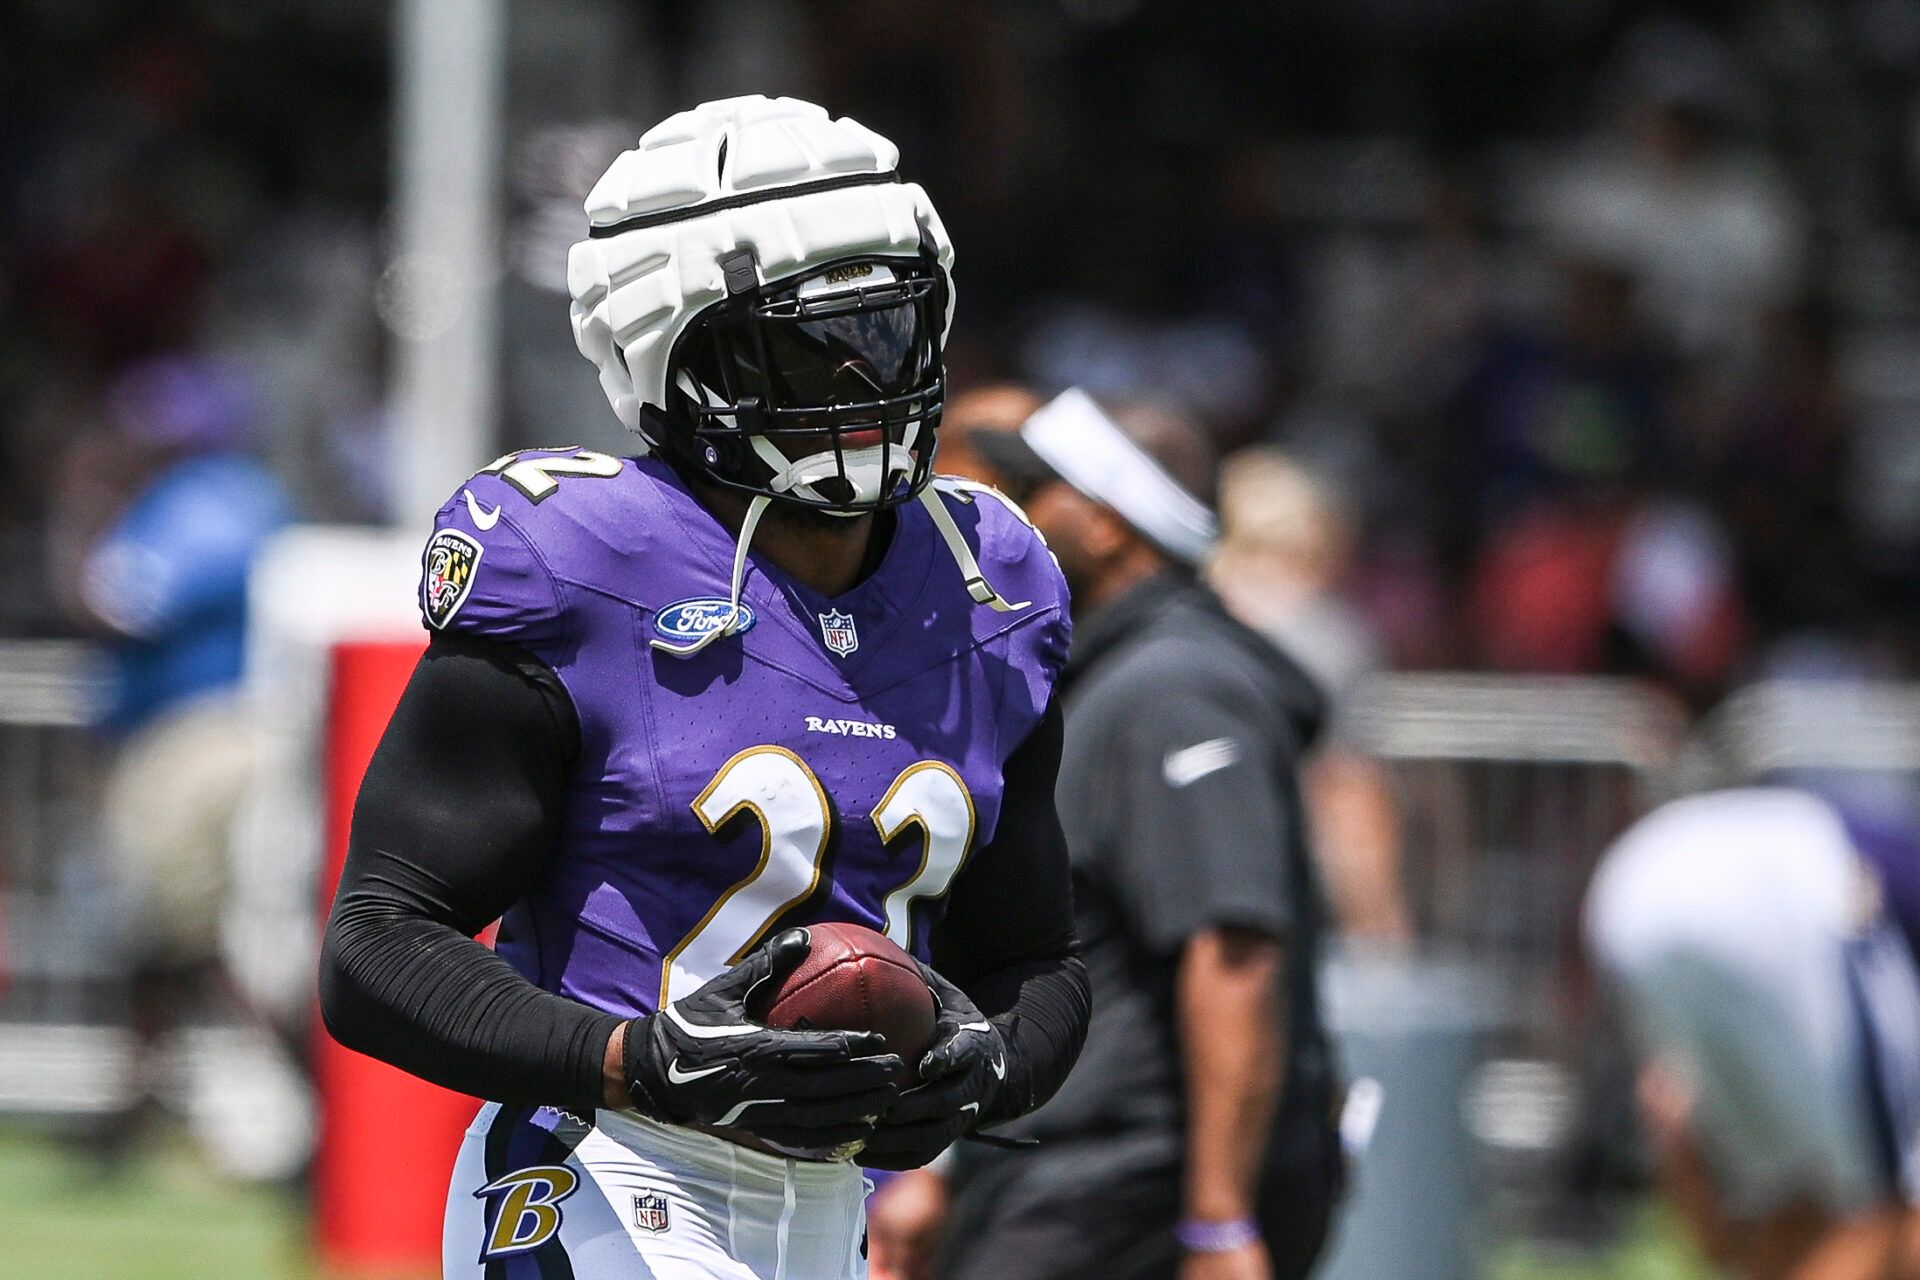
<point>1007,939</point>
<point>457,817</point>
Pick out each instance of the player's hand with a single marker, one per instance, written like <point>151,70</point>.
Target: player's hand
<point>702,1060</point>
<point>959,1077</point>
<point>1248,1262</point>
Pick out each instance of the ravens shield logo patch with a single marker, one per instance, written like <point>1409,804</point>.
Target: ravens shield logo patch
<point>450,562</point>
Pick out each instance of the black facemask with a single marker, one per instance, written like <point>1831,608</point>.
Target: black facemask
<point>854,347</point>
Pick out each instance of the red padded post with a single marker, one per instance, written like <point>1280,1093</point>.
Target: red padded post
<point>387,1140</point>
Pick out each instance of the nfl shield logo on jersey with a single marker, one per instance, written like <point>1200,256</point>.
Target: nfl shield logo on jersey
<point>650,1212</point>
<point>837,633</point>
<point>448,578</point>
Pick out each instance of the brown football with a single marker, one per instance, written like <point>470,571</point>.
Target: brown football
<point>853,979</point>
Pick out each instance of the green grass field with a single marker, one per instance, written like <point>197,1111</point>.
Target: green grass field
<point>1653,1250</point>
<point>163,1217</point>
<point>166,1217</point>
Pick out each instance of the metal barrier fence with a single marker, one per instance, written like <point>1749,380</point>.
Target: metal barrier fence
<point>50,769</point>
<point>1510,788</point>
<point>1785,726</point>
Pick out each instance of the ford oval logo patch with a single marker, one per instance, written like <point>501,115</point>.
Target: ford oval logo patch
<point>694,619</point>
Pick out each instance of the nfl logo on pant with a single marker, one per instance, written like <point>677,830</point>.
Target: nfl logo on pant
<point>650,1212</point>
<point>837,633</point>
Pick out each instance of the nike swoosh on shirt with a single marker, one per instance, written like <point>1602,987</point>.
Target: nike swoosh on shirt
<point>1186,766</point>
<point>676,1076</point>
<point>999,1066</point>
<point>483,520</point>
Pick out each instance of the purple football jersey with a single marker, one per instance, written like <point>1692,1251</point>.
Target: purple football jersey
<point>835,760</point>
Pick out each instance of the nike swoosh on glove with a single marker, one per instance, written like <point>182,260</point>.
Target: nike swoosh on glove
<point>702,1060</point>
<point>959,1078</point>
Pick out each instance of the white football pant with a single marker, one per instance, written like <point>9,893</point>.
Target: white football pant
<point>538,1194</point>
<point>1723,920</point>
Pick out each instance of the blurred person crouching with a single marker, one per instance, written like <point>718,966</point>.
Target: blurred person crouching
<point>1765,956</point>
<point>1195,1138</point>
<point>1286,546</point>
<point>160,517</point>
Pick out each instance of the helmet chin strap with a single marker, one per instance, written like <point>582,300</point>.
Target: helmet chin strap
<point>978,588</point>
<point>868,470</point>
<point>888,460</point>
<point>755,509</point>
<point>977,585</point>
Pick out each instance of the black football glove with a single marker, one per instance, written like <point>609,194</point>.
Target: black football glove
<point>959,1078</point>
<point>702,1060</point>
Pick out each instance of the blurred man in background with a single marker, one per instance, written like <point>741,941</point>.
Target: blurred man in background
<point>999,406</point>
<point>1287,544</point>
<point>1195,1137</point>
<point>1765,963</point>
<point>163,515</point>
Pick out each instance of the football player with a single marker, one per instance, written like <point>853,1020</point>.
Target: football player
<point>676,707</point>
<point>1761,941</point>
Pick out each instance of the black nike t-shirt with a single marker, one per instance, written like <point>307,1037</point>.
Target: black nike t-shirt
<point>1180,798</point>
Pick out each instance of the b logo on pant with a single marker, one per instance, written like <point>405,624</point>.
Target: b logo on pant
<point>526,1210</point>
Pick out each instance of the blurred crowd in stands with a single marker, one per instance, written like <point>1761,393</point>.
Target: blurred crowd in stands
<point>1584,333</point>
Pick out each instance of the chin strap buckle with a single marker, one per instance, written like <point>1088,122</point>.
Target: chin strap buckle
<point>741,270</point>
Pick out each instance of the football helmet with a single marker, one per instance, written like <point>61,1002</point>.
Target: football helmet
<point>767,301</point>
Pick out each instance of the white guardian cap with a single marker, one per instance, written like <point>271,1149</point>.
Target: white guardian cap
<point>767,303</point>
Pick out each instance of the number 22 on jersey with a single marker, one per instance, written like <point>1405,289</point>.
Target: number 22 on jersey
<point>786,799</point>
